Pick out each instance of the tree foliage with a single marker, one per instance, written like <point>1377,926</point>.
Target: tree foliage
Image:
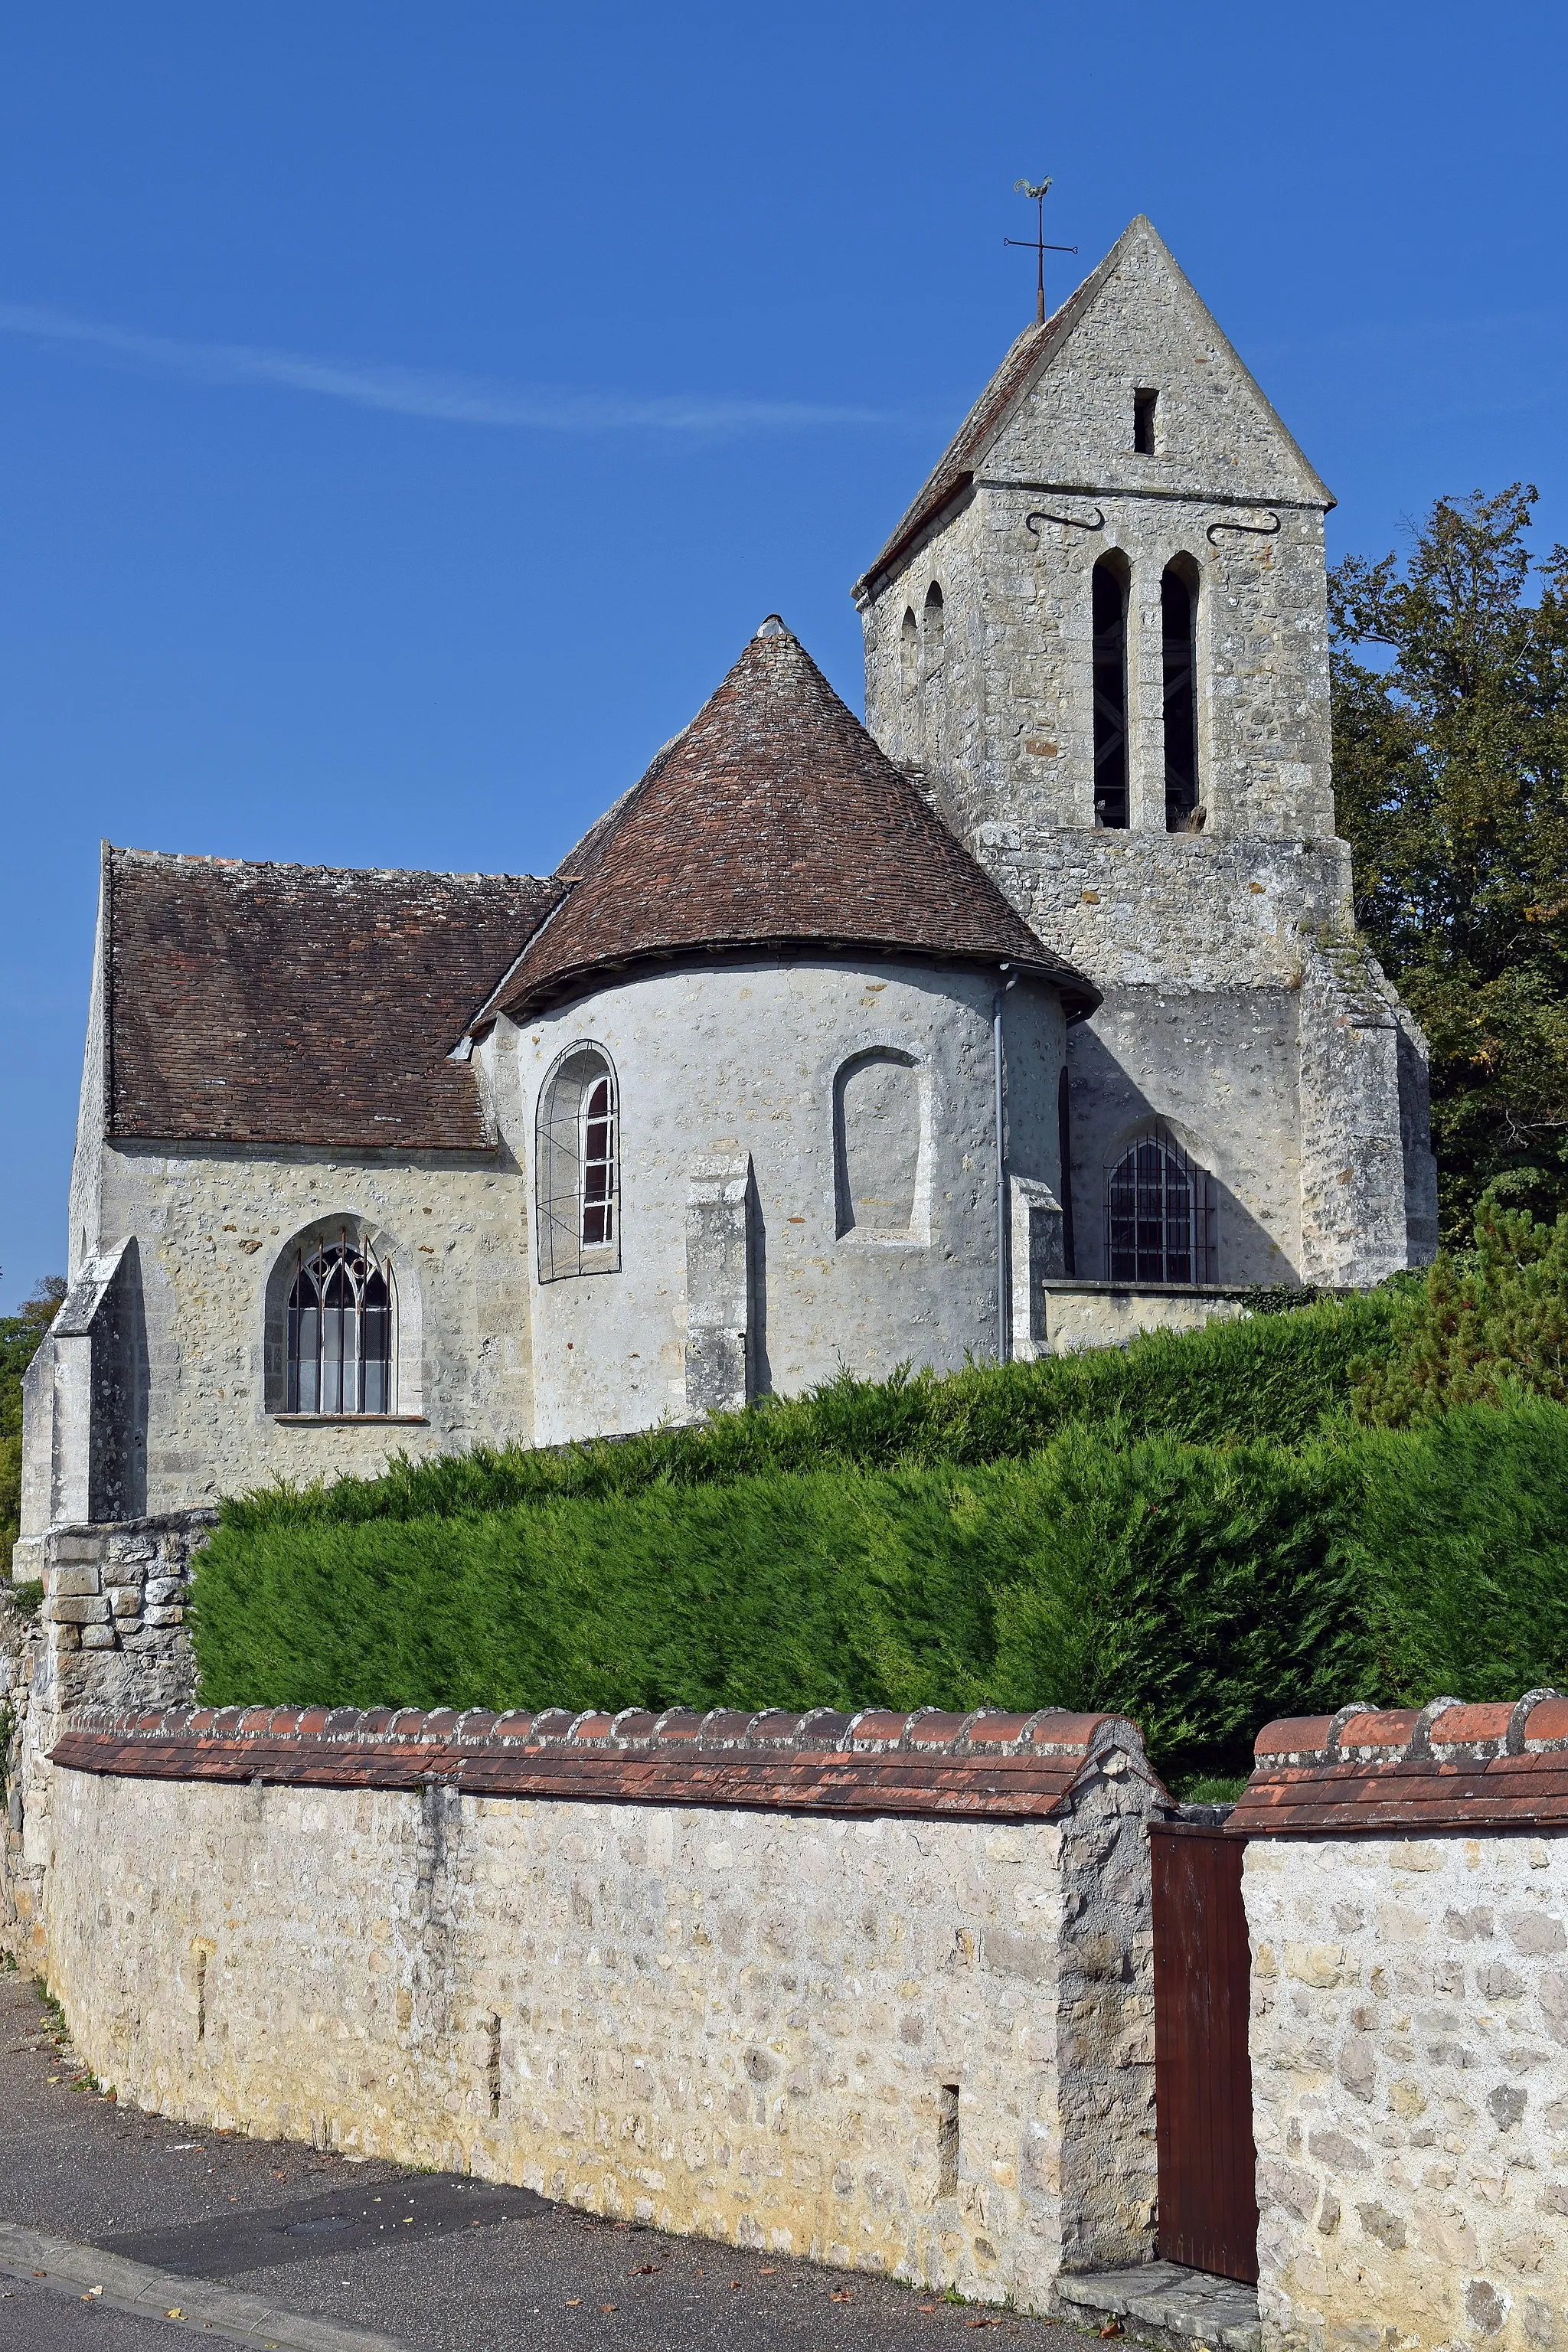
<point>1480,1329</point>
<point>1451,785</point>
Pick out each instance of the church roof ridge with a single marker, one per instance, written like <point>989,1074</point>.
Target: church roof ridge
<point>773,822</point>
<point>207,858</point>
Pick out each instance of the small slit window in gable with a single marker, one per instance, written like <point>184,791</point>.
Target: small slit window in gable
<point>909,652</point>
<point>1144,405</point>
<point>935,629</point>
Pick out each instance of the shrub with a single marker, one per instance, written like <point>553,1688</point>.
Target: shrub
<point>1199,1589</point>
<point>1274,1379</point>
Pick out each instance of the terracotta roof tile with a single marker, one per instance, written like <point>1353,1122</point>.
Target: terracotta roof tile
<point>1368,1771</point>
<point>773,823</point>
<point>259,1004</point>
<point>985,1765</point>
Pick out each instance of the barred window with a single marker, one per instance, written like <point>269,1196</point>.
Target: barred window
<point>577,1157</point>
<point>341,1311</point>
<point>1159,1216</point>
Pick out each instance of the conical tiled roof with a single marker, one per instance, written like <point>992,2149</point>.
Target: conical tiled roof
<point>772,823</point>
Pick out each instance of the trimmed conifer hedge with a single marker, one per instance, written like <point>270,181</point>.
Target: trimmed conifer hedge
<point>1198,1587</point>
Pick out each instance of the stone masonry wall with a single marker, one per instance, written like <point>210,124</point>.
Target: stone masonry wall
<point>921,2046</point>
<point>109,1633</point>
<point>1410,2083</point>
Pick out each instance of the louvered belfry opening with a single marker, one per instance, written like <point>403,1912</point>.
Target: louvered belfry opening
<point>1108,594</point>
<point>578,1161</point>
<point>1159,1214</point>
<point>341,1313</point>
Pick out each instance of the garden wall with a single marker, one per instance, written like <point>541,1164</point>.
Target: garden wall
<point>872,1989</point>
<point>1406,1892</point>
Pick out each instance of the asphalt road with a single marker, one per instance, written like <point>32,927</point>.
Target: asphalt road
<point>439,2263</point>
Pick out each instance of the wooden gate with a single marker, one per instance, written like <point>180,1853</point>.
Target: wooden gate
<point>1202,2074</point>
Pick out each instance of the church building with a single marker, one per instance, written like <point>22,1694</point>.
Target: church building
<point>1027,1014</point>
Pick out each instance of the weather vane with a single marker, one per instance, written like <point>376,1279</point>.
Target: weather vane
<point>1039,194</point>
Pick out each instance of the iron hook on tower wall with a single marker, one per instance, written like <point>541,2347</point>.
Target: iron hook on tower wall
<point>1075,522</point>
<point>1257,529</point>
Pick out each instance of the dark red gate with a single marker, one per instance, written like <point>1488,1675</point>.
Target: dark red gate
<point>1202,2074</point>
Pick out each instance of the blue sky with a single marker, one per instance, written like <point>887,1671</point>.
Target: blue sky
<point>406,412</point>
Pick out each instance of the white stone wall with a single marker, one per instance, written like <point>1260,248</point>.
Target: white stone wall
<point>730,1059</point>
<point>1410,2088</point>
<point>738,2024</point>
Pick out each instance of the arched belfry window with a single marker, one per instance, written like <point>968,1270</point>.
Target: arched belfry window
<point>577,1163</point>
<point>1159,1214</point>
<point>1108,594</point>
<point>935,629</point>
<point>341,1307</point>
<point>1178,636</point>
<point>909,652</point>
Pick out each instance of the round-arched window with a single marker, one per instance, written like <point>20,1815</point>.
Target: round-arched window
<point>341,1311</point>
<point>577,1166</point>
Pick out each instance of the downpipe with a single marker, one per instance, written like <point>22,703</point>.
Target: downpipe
<point>1004,1349</point>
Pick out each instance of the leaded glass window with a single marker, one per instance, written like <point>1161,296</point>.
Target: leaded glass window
<point>340,1315</point>
<point>577,1156</point>
<point>1159,1216</point>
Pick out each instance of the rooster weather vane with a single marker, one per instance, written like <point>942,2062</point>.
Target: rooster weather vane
<point>1037,243</point>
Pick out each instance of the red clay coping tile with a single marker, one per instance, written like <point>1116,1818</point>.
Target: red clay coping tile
<point>987,1764</point>
<point>1371,1772</point>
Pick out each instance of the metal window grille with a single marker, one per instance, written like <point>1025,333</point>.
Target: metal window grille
<point>1159,1215</point>
<point>341,1310</point>
<point>577,1166</point>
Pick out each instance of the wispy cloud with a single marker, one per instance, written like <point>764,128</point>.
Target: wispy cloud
<point>417,392</point>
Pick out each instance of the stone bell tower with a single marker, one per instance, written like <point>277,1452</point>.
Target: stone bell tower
<point>1099,641</point>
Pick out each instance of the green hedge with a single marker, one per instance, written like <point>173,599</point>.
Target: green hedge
<point>1274,1379</point>
<point>1200,1587</point>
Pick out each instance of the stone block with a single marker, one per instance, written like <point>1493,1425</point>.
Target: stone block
<point>71,1609</point>
<point>163,1589</point>
<point>98,1637</point>
<point>68,1582</point>
<point>124,1600</point>
<point>164,1615</point>
<point>128,1573</point>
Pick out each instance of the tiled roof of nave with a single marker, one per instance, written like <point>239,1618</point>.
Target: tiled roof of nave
<point>302,1005</point>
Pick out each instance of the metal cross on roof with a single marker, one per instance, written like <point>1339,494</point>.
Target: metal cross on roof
<point>1039,194</point>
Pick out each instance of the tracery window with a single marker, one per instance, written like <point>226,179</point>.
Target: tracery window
<point>1109,595</point>
<point>1159,1214</point>
<point>341,1312</point>
<point>577,1158</point>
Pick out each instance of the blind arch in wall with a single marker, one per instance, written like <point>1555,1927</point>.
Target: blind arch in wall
<point>577,1166</point>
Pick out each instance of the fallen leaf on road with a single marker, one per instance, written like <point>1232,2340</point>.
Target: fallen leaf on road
<point>929,2308</point>
<point>573,2301</point>
<point>646,2270</point>
<point>173,2312</point>
<point>844,2294</point>
<point>1112,2327</point>
<point>606,2307</point>
<point>770,2270</point>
